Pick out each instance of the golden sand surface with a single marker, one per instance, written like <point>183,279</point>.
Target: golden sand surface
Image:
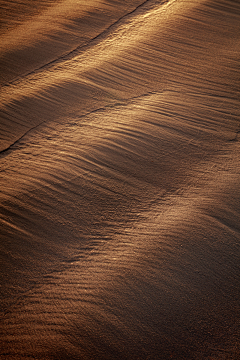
<point>120,179</point>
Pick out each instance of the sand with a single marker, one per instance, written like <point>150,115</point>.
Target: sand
<point>120,179</point>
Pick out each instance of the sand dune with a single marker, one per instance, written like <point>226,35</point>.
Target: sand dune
<point>120,185</point>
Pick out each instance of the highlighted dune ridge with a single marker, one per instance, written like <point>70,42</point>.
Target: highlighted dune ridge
<point>120,205</point>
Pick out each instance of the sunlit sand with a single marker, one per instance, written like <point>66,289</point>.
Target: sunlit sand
<point>120,184</point>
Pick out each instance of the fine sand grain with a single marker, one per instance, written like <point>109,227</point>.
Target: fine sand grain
<point>120,180</point>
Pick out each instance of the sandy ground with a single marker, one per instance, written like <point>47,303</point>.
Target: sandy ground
<point>120,179</point>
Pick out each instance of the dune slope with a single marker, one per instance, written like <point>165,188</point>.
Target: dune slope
<point>120,199</point>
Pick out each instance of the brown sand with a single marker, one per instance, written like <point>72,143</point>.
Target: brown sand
<point>120,191</point>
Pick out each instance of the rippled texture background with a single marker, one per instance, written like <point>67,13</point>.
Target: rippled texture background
<point>120,179</point>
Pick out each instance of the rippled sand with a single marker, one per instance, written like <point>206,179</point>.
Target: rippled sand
<point>120,179</point>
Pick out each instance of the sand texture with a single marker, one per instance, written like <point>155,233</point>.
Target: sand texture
<point>120,180</point>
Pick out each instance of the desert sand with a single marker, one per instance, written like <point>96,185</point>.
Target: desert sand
<point>120,179</point>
